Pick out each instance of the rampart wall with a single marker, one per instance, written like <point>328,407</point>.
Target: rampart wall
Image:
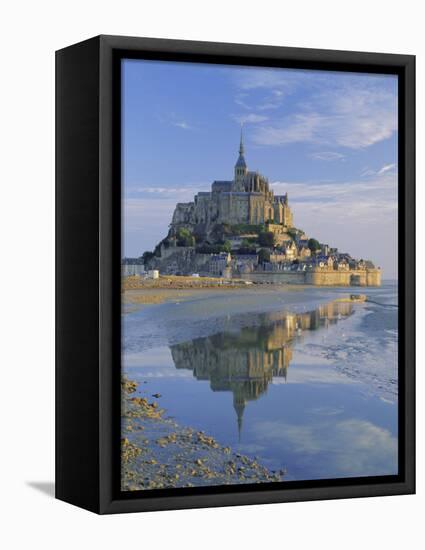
<point>318,277</point>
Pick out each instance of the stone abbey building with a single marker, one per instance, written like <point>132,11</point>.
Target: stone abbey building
<point>241,229</point>
<point>247,199</point>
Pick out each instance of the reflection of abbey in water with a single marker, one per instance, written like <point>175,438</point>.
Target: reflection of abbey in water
<point>244,362</point>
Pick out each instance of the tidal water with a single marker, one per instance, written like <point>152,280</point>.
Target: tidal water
<point>292,377</point>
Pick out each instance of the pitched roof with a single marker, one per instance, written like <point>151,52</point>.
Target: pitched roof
<point>241,161</point>
<point>222,185</point>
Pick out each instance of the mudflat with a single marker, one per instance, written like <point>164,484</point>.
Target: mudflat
<point>138,291</point>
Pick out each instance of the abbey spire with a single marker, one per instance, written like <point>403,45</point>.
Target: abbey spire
<point>241,149</point>
<point>241,168</point>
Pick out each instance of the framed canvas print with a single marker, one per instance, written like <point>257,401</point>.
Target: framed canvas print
<point>235,274</point>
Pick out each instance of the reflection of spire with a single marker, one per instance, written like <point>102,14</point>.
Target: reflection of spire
<point>244,362</point>
<point>239,406</point>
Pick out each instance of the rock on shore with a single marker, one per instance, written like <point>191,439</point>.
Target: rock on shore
<point>158,453</point>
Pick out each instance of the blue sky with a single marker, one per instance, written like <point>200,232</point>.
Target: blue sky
<point>329,139</point>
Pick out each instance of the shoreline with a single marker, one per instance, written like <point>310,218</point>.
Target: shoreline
<point>158,453</point>
<point>134,282</point>
<point>139,293</point>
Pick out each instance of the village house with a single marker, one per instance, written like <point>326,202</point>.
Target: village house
<point>291,251</point>
<point>245,263</point>
<point>341,264</point>
<point>304,252</point>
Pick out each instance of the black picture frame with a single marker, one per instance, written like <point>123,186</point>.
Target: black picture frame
<point>88,273</point>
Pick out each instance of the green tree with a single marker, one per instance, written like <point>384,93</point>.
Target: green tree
<point>246,244</point>
<point>266,239</point>
<point>227,247</point>
<point>147,256</point>
<point>240,228</point>
<point>185,237</point>
<point>263,255</point>
<point>313,245</point>
<point>292,232</point>
<point>207,248</point>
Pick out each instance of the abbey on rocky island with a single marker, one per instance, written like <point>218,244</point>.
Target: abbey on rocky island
<point>247,199</point>
<point>241,229</point>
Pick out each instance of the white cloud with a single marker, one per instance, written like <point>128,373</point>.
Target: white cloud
<point>240,100</point>
<point>327,155</point>
<point>146,223</point>
<point>354,122</point>
<point>306,373</point>
<point>359,217</point>
<point>274,85</point>
<point>386,168</point>
<point>344,199</point>
<point>345,111</point>
<point>182,193</point>
<point>291,129</point>
<point>349,447</point>
<point>182,124</point>
<point>250,118</point>
<point>146,217</point>
<point>174,119</point>
<point>275,82</point>
<point>367,172</point>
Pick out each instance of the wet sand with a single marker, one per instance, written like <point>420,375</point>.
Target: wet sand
<point>147,293</point>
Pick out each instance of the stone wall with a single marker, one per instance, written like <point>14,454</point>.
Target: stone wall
<point>209,208</point>
<point>373,277</point>
<point>127,270</point>
<point>233,208</point>
<point>322,277</point>
<point>281,277</point>
<point>318,277</point>
<point>180,259</point>
<point>368,277</point>
<point>256,209</point>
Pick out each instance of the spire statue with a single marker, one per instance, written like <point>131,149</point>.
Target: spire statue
<point>241,148</point>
